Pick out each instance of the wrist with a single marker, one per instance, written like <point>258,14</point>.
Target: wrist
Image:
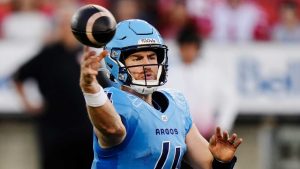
<point>95,99</point>
<point>91,88</point>
<point>223,161</point>
<point>217,164</point>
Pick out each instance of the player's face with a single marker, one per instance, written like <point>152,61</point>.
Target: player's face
<point>142,58</point>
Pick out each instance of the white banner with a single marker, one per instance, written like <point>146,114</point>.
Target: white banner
<point>266,76</point>
<point>13,55</point>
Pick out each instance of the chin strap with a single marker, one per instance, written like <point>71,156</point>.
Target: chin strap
<point>143,89</point>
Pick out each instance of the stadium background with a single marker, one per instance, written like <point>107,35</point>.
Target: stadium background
<point>264,71</point>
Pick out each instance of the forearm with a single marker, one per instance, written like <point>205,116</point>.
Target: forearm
<point>105,118</point>
<point>108,127</point>
<point>198,154</point>
<point>107,123</point>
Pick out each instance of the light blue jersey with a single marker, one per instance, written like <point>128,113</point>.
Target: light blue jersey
<point>154,140</point>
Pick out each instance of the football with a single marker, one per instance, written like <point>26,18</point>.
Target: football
<point>93,25</point>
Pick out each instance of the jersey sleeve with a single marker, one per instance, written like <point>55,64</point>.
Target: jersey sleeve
<point>128,116</point>
<point>121,103</point>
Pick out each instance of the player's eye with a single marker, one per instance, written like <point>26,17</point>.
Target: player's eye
<point>137,58</point>
<point>152,57</point>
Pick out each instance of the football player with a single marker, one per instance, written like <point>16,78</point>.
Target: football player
<point>136,125</point>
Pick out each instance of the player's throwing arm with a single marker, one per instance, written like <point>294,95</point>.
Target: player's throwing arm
<point>107,123</point>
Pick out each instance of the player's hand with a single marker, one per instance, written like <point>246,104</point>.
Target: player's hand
<point>89,70</point>
<point>222,146</point>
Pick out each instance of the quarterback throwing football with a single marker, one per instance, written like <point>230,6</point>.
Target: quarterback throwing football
<point>136,125</point>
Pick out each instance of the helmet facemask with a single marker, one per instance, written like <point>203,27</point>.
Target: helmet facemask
<point>133,36</point>
<point>144,86</point>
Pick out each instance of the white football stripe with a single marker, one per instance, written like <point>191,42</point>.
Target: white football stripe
<point>89,26</point>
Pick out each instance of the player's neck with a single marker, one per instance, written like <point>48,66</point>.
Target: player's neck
<point>146,97</point>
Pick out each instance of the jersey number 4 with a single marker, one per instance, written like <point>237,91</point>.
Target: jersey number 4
<point>164,154</point>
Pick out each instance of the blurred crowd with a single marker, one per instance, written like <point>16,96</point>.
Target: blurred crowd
<point>216,20</point>
<point>185,25</point>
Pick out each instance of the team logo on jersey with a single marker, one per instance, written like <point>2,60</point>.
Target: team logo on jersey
<point>147,41</point>
<point>166,131</point>
<point>164,117</point>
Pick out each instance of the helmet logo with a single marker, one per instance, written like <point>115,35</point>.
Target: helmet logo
<point>147,41</point>
<point>114,54</point>
<point>122,76</point>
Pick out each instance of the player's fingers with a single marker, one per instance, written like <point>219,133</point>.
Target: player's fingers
<point>238,142</point>
<point>91,62</point>
<point>225,135</point>
<point>85,64</point>
<point>218,133</point>
<point>89,75</point>
<point>95,66</point>
<point>102,55</point>
<point>89,54</point>
<point>232,138</point>
<point>88,72</point>
<point>212,140</point>
<point>88,67</point>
